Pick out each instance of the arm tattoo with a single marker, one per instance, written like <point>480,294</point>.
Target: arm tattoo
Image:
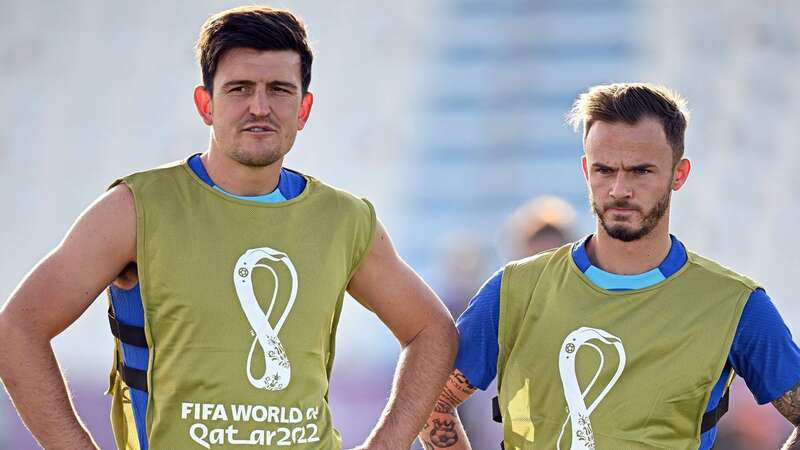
<point>442,428</point>
<point>462,382</point>
<point>449,399</point>
<point>447,402</point>
<point>789,405</point>
<point>443,434</point>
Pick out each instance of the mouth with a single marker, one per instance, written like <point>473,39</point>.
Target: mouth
<point>620,214</point>
<point>258,129</point>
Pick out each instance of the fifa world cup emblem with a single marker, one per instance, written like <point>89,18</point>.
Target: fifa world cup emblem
<point>577,411</point>
<point>277,370</point>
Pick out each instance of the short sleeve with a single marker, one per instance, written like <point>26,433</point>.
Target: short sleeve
<point>763,352</point>
<point>477,328</point>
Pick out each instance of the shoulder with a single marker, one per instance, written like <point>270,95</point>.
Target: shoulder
<point>164,169</point>
<point>340,199</point>
<point>487,300</point>
<point>155,175</point>
<point>106,229</point>
<point>760,316</point>
<point>352,216</point>
<point>521,278</point>
<point>319,187</point>
<point>531,267</point>
<point>713,270</point>
<point>118,199</point>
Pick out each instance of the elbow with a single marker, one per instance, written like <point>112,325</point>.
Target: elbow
<point>16,335</point>
<point>446,328</point>
<point>5,330</point>
<point>440,333</point>
<point>6,341</point>
<point>452,339</point>
<point>447,338</point>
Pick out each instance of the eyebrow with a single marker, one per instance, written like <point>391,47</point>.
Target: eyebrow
<point>644,166</point>
<point>276,83</point>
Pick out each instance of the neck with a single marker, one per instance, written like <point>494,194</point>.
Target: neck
<point>238,179</point>
<point>630,258</point>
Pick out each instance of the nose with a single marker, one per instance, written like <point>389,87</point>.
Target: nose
<point>259,103</point>
<point>620,188</point>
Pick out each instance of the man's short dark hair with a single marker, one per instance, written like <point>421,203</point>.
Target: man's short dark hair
<point>255,27</point>
<point>629,103</point>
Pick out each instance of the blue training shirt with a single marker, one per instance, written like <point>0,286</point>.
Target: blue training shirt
<point>762,353</point>
<point>127,304</point>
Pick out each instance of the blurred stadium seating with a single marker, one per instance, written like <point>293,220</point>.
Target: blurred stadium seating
<point>447,114</point>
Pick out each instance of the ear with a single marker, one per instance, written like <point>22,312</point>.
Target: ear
<point>585,167</point>
<point>305,110</point>
<point>202,101</point>
<point>681,173</point>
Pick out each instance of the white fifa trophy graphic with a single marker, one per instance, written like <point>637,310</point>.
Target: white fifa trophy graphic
<point>578,413</point>
<point>277,371</point>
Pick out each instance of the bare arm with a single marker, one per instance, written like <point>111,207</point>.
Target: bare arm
<point>789,406</point>
<point>443,428</point>
<point>50,298</point>
<point>388,286</point>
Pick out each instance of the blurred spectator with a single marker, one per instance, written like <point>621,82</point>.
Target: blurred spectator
<point>543,223</point>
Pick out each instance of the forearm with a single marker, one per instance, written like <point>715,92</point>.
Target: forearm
<point>789,406</point>
<point>31,376</point>
<point>422,369</point>
<point>443,428</point>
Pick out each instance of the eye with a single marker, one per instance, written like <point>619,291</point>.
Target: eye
<point>642,171</point>
<point>238,90</point>
<point>603,170</point>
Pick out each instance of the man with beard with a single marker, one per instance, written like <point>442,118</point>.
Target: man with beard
<point>226,275</point>
<point>623,339</point>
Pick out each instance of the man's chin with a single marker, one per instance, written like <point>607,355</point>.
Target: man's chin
<point>257,158</point>
<point>625,234</point>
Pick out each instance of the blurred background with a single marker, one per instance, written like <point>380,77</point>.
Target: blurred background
<point>447,114</point>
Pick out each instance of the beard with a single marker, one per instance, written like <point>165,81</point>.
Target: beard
<point>257,153</point>
<point>627,233</point>
<point>256,159</point>
<point>263,155</point>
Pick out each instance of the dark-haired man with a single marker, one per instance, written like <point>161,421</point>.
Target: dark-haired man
<point>226,274</point>
<point>624,339</point>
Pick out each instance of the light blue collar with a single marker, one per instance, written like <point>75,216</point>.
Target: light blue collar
<point>675,259</point>
<point>290,184</point>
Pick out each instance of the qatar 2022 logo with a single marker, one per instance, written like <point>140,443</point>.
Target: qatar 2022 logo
<point>277,368</point>
<point>578,411</point>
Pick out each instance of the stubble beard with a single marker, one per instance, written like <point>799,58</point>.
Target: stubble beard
<point>626,233</point>
<point>260,154</point>
<point>257,159</point>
